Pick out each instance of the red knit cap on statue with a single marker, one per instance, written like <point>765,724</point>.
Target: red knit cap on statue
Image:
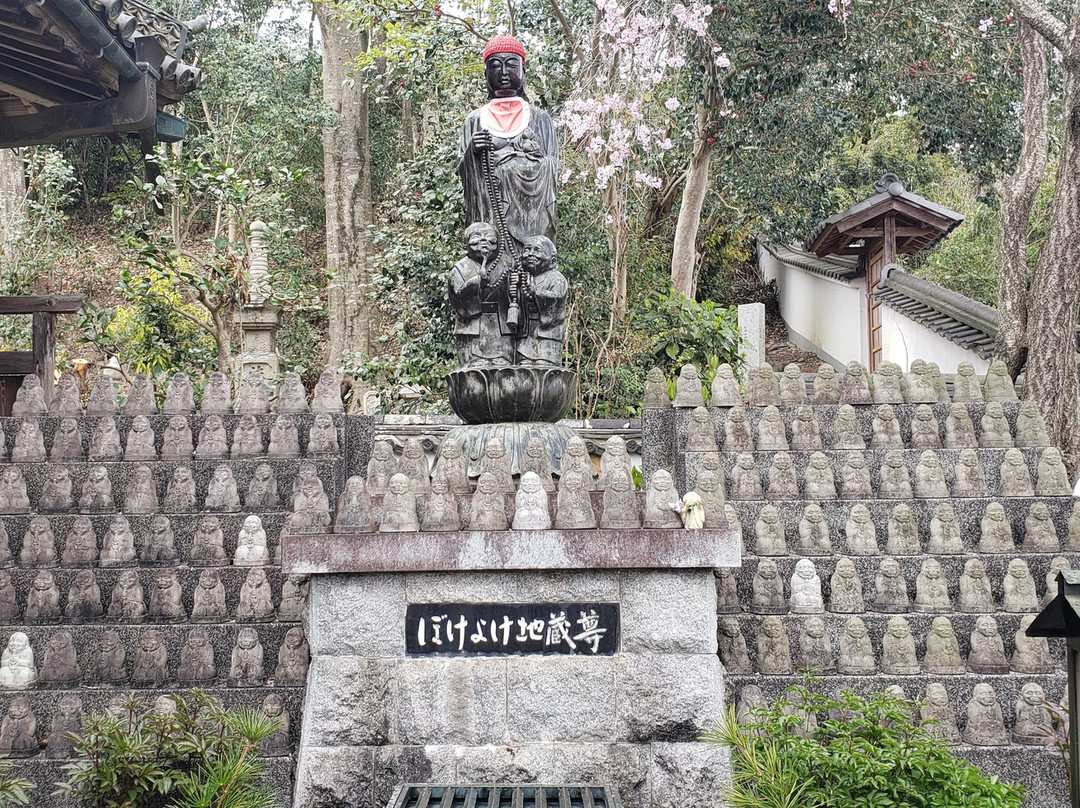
<point>504,44</point>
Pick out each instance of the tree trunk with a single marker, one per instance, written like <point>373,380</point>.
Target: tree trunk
<point>684,254</point>
<point>1018,194</point>
<point>1051,378</point>
<point>347,168</point>
<point>12,205</point>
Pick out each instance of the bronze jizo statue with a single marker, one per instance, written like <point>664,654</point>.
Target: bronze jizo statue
<point>507,293</point>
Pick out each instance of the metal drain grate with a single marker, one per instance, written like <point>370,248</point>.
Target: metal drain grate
<point>505,796</point>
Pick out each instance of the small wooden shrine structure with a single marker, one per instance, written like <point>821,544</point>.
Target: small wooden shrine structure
<point>890,222</point>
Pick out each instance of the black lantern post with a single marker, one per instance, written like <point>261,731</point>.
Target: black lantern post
<point>1061,618</point>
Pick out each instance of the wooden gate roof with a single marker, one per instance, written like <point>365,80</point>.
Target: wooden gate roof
<point>920,223</point>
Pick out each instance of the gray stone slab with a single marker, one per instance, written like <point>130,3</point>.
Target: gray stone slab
<point>357,615</point>
<point>509,550</point>
<point>512,587</point>
<point>335,777</point>
<point>668,612</point>
<point>650,709</point>
<point>351,708</point>
<point>565,699</point>
<point>460,701</point>
<point>682,773</point>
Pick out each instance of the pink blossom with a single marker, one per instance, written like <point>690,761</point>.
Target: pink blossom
<point>664,144</point>
<point>642,178</point>
<point>672,104</point>
<point>722,61</point>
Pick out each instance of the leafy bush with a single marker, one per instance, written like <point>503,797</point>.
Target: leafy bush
<point>797,754</point>
<point>684,331</point>
<point>199,755</point>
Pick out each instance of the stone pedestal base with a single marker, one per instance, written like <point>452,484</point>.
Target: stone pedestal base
<point>375,718</point>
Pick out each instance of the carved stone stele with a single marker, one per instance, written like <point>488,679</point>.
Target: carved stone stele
<point>846,589</point>
<point>725,390</point>
<point>293,658</point>
<point>732,647</point>
<point>196,659</point>
<point>985,725</point>
<point>246,662</point>
<point>856,653</point>
<point>256,603</point>
<point>768,589</point>
<point>17,668</point>
<point>937,716</point>
<point>773,649</point>
<point>987,654</point>
<point>768,532</point>
<point>209,598</point>
<point>67,721</point>
<point>327,395</point>
<point>251,549</point>
<point>815,649</point>
<point>530,505</point>
<point>898,649</point>
<point>806,589</point>
<point>18,732</point>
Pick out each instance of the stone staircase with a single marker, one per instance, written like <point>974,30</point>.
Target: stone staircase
<point>174,628</point>
<point>666,434</point>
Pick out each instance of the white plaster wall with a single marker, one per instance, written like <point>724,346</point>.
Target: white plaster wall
<point>822,315</point>
<point>904,340</point>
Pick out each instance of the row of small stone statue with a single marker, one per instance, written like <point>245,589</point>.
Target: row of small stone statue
<point>150,661</point>
<point>804,434</point>
<point>176,441</point>
<point>452,467</point>
<point>894,482</point>
<point>891,591</point>
<point>984,724</point>
<point>855,654</point>
<point>19,731</point>
<point>813,534</point>
<point>128,604</point>
<point>252,398</point>
<point>96,493</point>
<point>922,384</point>
<point>118,545</point>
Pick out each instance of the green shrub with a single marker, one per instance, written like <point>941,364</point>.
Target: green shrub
<point>795,754</point>
<point>199,755</point>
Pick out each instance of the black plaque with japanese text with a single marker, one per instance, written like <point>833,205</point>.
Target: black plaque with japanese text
<point>500,629</point>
